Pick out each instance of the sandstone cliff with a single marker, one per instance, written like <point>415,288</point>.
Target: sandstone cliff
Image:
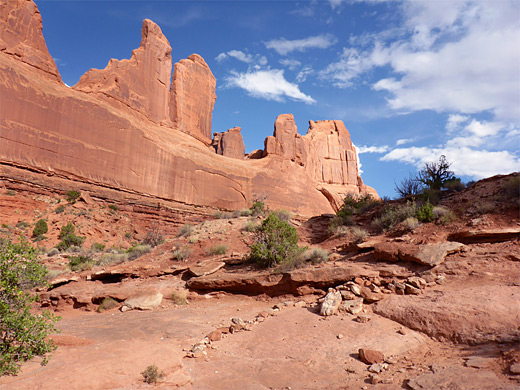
<point>151,139</point>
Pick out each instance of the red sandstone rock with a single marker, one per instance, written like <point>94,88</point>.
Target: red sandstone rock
<point>21,36</point>
<point>192,97</point>
<point>143,81</point>
<point>229,143</point>
<point>286,141</point>
<point>370,356</point>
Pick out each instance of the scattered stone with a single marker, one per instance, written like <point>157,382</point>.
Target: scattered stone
<point>391,360</point>
<point>412,290</point>
<point>363,319</point>
<point>370,356</point>
<point>331,303</point>
<point>416,281</point>
<point>371,296</point>
<point>374,379</point>
<point>144,300</point>
<point>514,368</point>
<point>354,306</point>
<point>206,268</point>
<point>347,295</point>
<point>440,279</point>
<point>237,321</point>
<point>402,331</point>
<point>300,304</point>
<point>216,335</point>
<point>378,367</point>
<point>263,314</point>
<point>339,336</point>
<point>234,328</point>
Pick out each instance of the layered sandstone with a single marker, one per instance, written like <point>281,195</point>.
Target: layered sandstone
<point>229,143</point>
<point>142,82</point>
<point>147,140</point>
<point>21,36</point>
<point>192,97</point>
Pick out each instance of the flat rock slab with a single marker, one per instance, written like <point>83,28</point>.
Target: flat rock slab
<point>143,300</point>
<point>485,235</point>
<point>459,378</point>
<point>265,282</point>
<point>472,315</point>
<point>428,254</point>
<point>206,268</point>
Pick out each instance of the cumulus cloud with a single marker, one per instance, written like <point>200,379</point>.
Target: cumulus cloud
<point>465,161</point>
<point>243,57</point>
<point>267,84</point>
<point>372,149</point>
<point>291,64</point>
<point>403,141</point>
<point>303,74</point>
<point>284,46</point>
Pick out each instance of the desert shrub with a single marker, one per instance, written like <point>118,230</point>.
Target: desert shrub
<point>53,252</point>
<point>68,238</point>
<point>338,223</point>
<point>411,223</point>
<point>10,192</point>
<point>283,215</point>
<point>107,304</point>
<point>236,214</point>
<point>22,225</point>
<point>223,215</point>
<point>98,247</point>
<point>275,242</point>
<point>257,208</point>
<point>352,205</point>
<point>181,253</point>
<point>113,207</point>
<point>80,263</point>
<point>154,236</point>
<point>113,258</point>
<point>251,226</point>
<point>180,297</point>
<point>137,251</point>
<point>425,212</point>
<point>60,209</point>
<point>358,234</point>
<point>394,215</point>
<point>246,212</point>
<point>72,196</point>
<point>216,250</point>
<point>454,185</point>
<point>74,249</point>
<point>24,333</point>
<point>511,189</point>
<point>436,174</point>
<point>128,235</point>
<point>290,263</point>
<point>40,228</point>
<point>316,255</point>
<point>186,230</point>
<point>410,186</point>
<point>483,207</point>
<point>340,230</point>
<point>152,374</point>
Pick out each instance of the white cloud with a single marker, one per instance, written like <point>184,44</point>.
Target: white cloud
<point>243,57</point>
<point>267,84</point>
<point>372,149</point>
<point>454,121</point>
<point>291,64</point>
<point>335,3</point>
<point>404,141</point>
<point>284,46</point>
<point>465,161</point>
<point>303,74</point>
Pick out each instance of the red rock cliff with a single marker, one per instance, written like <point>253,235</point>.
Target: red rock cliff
<point>132,145</point>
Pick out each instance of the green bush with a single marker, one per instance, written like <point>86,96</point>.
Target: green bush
<point>108,304</point>
<point>53,252</point>
<point>276,241</point>
<point>425,212</point>
<point>113,207</point>
<point>283,215</point>
<point>137,251</point>
<point>80,263</point>
<point>251,226</point>
<point>246,212</point>
<point>258,208</point>
<point>68,238</point>
<point>411,223</point>
<point>98,247</point>
<point>511,189</point>
<point>113,258</point>
<point>22,225</point>
<point>223,215</point>
<point>72,196</point>
<point>216,250</point>
<point>40,228</point>
<point>24,334</point>
<point>394,215</point>
<point>60,209</point>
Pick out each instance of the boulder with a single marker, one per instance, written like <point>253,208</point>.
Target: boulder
<point>143,300</point>
<point>386,251</point>
<point>130,82</point>
<point>428,254</point>
<point>192,97</point>
<point>370,356</point>
<point>331,303</point>
<point>229,143</point>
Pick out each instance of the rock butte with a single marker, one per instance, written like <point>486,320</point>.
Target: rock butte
<point>136,128</point>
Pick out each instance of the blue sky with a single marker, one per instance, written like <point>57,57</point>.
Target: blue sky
<point>411,79</point>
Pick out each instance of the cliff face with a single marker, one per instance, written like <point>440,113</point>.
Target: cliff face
<point>123,127</point>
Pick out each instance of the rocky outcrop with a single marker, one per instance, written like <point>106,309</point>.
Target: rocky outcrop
<point>21,36</point>
<point>192,97</point>
<point>142,82</point>
<point>123,128</point>
<point>229,143</point>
